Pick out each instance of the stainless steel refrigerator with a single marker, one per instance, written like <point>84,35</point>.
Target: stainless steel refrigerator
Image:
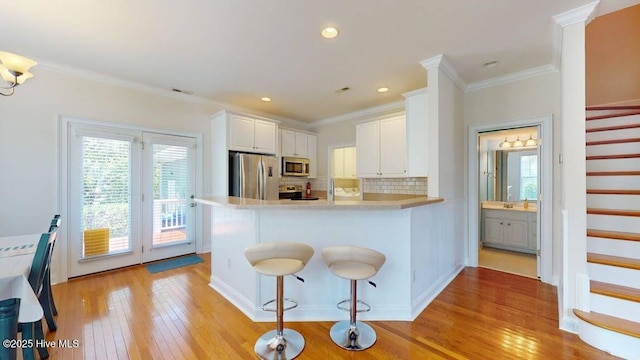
<point>253,176</point>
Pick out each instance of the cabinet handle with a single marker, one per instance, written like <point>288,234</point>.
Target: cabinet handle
<point>509,224</point>
<point>500,223</point>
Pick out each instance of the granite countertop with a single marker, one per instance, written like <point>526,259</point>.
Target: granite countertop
<point>244,203</point>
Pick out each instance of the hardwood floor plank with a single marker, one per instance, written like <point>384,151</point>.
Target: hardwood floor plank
<point>132,314</point>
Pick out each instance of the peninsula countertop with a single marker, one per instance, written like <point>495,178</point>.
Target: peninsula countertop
<point>245,203</point>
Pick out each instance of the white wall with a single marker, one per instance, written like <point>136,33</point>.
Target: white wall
<point>29,140</point>
<point>519,100</point>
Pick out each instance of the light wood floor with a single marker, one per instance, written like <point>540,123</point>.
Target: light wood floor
<point>132,314</point>
<point>508,261</point>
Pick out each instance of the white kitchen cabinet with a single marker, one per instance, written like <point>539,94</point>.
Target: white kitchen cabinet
<point>416,110</point>
<point>232,131</point>
<point>382,148</point>
<point>251,134</point>
<point>508,229</point>
<point>312,155</point>
<point>344,163</point>
<point>294,143</point>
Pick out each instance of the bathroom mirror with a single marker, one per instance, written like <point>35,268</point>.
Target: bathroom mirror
<point>512,175</point>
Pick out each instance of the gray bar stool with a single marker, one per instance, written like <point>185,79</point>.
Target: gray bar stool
<point>353,263</point>
<point>279,259</point>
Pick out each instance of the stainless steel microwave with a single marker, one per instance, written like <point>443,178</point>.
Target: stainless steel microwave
<point>293,166</point>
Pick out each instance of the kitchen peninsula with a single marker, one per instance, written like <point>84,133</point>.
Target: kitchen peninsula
<point>421,260</point>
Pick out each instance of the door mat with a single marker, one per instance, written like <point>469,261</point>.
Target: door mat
<point>173,263</point>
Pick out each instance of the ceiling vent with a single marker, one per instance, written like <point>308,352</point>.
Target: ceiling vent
<point>182,91</point>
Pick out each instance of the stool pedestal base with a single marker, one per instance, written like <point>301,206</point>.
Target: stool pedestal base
<point>271,346</point>
<point>358,337</point>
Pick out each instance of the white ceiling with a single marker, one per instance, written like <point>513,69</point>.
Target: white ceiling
<point>236,51</point>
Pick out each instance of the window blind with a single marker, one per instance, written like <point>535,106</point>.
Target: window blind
<point>106,196</point>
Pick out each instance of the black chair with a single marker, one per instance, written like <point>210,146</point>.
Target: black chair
<point>9,310</point>
<point>39,268</point>
<point>47,302</point>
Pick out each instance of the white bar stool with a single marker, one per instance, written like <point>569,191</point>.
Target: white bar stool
<point>353,263</point>
<point>279,259</point>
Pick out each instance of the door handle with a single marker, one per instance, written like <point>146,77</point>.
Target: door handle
<point>193,205</point>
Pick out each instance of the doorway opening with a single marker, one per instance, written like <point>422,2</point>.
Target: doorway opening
<point>510,192</point>
<point>508,195</point>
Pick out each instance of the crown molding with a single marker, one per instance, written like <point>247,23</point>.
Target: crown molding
<point>441,62</point>
<point>110,80</point>
<point>423,90</point>
<point>516,76</point>
<point>360,114</point>
<point>583,13</point>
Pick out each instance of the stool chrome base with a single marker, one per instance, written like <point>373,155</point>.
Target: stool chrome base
<point>270,346</point>
<point>358,337</point>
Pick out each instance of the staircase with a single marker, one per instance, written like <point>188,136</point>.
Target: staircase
<point>613,231</point>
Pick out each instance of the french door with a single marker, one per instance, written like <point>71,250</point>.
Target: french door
<point>129,197</point>
<point>168,209</point>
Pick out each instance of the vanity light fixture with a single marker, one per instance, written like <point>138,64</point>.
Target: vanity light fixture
<point>518,143</point>
<point>383,89</point>
<point>505,144</point>
<point>329,32</point>
<point>266,99</point>
<point>14,69</point>
<point>531,141</point>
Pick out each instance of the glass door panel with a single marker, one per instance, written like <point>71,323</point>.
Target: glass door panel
<point>169,182</point>
<point>104,231</point>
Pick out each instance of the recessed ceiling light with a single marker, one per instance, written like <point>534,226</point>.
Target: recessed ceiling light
<point>266,99</point>
<point>383,89</point>
<point>329,32</point>
<point>491,64</point>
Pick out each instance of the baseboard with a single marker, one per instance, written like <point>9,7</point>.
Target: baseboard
<point>242,303</point>
<point>432,292</point>
<point>569,324</point>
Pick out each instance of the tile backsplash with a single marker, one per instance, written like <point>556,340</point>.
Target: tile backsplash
<point>412,186</point>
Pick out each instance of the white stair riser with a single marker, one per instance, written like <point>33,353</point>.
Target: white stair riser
<point>614,275</point>
<point>613,165</point>
<point>614,149</point>
<point>620,308</point>
<point>613,134</point>
<point>614,223</point>
<point>614,247</point>
<point>614,182</point>
<point>619,202</point>
<point>617,344</point>
<point>615,121</point>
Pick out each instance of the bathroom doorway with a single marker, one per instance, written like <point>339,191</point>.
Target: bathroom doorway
<point>508,195</point>
<point>510,234</point>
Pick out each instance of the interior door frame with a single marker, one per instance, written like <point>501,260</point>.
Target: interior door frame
<point>545,205</point>
<point>61,251</point>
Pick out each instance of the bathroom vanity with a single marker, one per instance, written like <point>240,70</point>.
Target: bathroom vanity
<point>510,228</point>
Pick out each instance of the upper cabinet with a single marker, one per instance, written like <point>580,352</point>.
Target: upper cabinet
<point>251,134</point>
<point>294,143</point>
<point>300,144</point>
<point>382,148</point>
<point>416,103</point>
<point>344,163</point>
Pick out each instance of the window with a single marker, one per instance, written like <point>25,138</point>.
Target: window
<point>529,177</point>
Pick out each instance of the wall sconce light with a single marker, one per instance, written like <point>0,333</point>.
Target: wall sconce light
<point>14,69</point>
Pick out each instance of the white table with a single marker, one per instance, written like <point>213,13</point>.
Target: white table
<point>14,276</point>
